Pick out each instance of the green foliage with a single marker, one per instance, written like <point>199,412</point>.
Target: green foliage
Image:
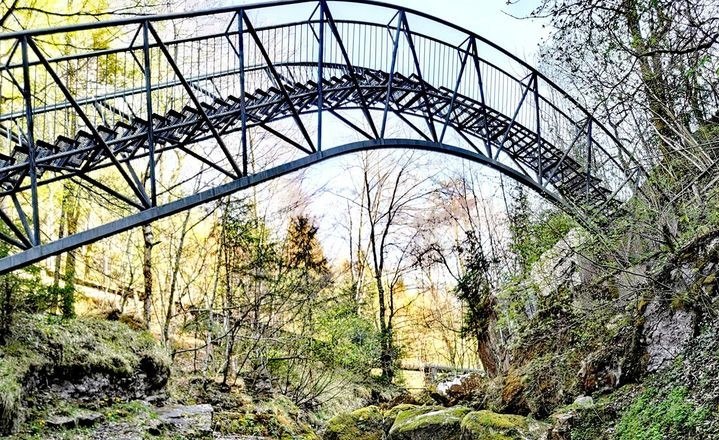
<point>303,250</point>
<point>534,235</point>
<point>350,341</point>
<point>654,416</point>
<point>474,289</point>
<point>19,291</point>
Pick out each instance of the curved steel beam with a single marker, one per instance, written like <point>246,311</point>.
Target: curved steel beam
<point>89,236</point>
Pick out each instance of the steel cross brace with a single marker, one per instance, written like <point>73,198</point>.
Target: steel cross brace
<point>278,80</point>
<point>454,96</point>
<point>350,67</point>
<point>391,77</point>
<point>514,117</point>
<point>138,190</point>
<point>418,68</point>
<point>194,99</point>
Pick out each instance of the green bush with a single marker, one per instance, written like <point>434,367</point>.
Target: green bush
<point>350,341</point>
<point>654,416</point>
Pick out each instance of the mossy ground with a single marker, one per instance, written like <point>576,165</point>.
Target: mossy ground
<point>362,424</point>
<point>277,418</point>
<point>45,345</point>
<point>120,419</point>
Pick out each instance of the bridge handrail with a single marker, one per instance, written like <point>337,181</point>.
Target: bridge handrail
<point>230,9</point>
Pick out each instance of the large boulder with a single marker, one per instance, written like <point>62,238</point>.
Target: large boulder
<point>667,333</point>
<point>486,425</point>
<point>428,423</point>
<point>362,424</point>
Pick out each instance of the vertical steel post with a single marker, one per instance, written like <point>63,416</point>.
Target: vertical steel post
<point>243,102</point>
<point>540,160</point>
<point>31,143</point>
<point>589,158</point>
<point>391,73</point>
<point>148,97</point>
<point>320,68</point>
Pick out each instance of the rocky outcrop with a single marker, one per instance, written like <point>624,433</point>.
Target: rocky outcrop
<point>667,333</point>
<point>410,422</point>
<point>87,362</point>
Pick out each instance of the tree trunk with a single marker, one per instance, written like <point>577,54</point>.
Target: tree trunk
<point>54,301</point>
<point>174,276</point>
<point>147,273</point>
<point>6,310</point>
<point>72,215</point>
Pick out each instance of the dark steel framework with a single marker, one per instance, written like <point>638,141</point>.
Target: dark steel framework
<point>107,118</point>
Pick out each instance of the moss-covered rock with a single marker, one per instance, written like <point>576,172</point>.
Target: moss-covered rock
<point>428,423</point>
<point>85,360</point>
<point>486,425</point>
<point>392,413</point>
<point>362,424</point>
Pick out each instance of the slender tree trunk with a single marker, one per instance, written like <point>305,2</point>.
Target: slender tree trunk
<point>6,311</point>
<point>54,301</point>
<point>174,276</point>
<point>72,215</point>
<point>147,273</point>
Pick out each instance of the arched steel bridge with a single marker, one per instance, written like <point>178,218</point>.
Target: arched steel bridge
<point>250,93</point>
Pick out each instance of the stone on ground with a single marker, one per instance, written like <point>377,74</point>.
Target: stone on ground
<point>190,420</point>
<point>486,425</point>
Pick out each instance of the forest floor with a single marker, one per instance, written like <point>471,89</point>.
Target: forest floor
<point>90,378</point>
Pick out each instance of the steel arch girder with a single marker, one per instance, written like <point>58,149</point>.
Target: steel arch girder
<point>38,253</point>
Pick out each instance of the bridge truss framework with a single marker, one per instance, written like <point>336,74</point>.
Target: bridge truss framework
<point>260,91</point>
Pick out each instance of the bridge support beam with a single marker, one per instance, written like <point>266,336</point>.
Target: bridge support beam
<point>38,253</point>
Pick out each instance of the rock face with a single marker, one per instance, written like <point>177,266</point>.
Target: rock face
<point>486,425</point>
<point>99,385</point>
<point>88,362</point>
<point>667,333</point>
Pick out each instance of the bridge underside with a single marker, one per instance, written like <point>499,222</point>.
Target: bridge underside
<point>114,135</point>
